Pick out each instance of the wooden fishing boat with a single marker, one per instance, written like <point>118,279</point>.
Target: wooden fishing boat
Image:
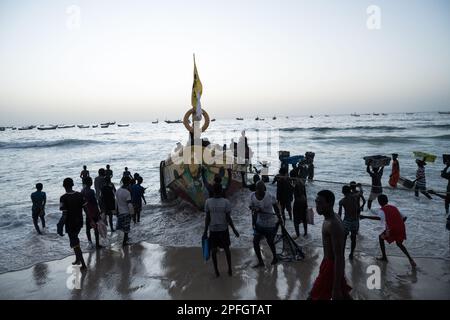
<point>186,174</point>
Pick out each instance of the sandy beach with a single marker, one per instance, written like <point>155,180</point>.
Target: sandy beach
<point>149,271</point>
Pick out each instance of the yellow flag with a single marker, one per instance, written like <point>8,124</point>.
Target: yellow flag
<point>197,89</point>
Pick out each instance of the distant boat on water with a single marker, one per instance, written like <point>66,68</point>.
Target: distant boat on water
<point>384,114</point>
<point>355,115</point>
<point>240,119</point>
<point>81,126</point>
<point>274,118</point>
<point>376,114</point>
<point>409,113</point>
<point>63,126</point>
<point>212,120</point>
<point>26,128</point>
<point>112,123</point>
<point>311,116</point>
<point>444,112</point>
<point>259,119</point>
<point>104,125</point>
<point>123,125</point>
<point>47,127</point>
<point>154,122</point>
<point>2,128</point>
<point>95,126</point>
<point>173,121</point>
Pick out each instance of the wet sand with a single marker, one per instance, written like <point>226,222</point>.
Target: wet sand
<point>149,271</point>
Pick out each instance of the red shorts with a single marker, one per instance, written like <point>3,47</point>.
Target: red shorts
<point>323,286</point>
<point>393,236</point>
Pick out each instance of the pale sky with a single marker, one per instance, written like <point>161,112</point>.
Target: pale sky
<point>132,60</point>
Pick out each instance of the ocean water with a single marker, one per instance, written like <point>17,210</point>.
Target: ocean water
<point>340,142</point>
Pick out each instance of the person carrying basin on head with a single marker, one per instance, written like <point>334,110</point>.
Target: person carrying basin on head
<point>376,173</point>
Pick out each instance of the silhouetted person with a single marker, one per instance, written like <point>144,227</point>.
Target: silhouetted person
<point>84,173</point>
<point>265,208</point>
<point>284,192</point>
<point>108,171</point>
<point>421,182</point>
<point>71,205</point>
<point>252,187</point>
<point>331,283</point>
<point>300,208</point>
<point>137,196</point>
<point>99,182</point>
<point>91,210</point>
<point>39,200</point>
<point>376,174</point>
<point>127,173</point>
<point>218,217</point>
<point>395,227</point>
<point>351,217</point>
<point>109,201</point>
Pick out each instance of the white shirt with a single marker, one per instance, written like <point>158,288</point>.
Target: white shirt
<point>123,198</point>
<point>265,217</point>
<point>218,209</point>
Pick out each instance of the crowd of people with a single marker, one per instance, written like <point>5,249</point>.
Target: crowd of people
<point>100,205</point>
<point>269,212</point>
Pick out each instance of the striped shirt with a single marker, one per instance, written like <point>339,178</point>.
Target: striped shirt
<point>420,176</point>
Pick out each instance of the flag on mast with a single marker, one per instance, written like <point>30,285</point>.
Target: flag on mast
<point>197,90</point>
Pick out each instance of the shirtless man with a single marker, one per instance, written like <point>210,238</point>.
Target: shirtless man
<point>357,192</point>
<point>85,173</point>
<point>351,217</point>
<point>331,283</point>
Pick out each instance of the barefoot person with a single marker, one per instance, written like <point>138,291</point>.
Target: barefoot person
<point>137,196</point>
<point>108,200</point>
<point>108,171</point>
<point>358,193</point>
<point>84,173</point>
<point>284,192</point>
<point>351,217</point>
<point>376,174</point>
<point>300,208</point>
<point>263,206</point>
<point>421,182</point>
<point>331,283</point>
<point>124,208</point>
<point>395,174</point>
<point>92,211</point>
<point>217,219</point>
<point>395,227</point>
<point>39,199</point>
<point>71,205</point>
